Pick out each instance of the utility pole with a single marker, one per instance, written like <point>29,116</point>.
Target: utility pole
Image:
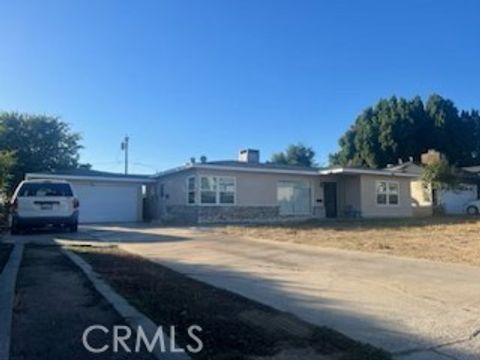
<point>125,148</point>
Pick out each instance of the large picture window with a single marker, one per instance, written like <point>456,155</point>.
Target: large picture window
<point>387,193</point>
<point>294,198</point>
<point>213,190</point>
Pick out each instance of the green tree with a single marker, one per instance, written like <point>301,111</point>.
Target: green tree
<point>399,128</point>
<point>6,163</point>
<point>295,154</point>
<point>440,175</point>
<point>38,143</point>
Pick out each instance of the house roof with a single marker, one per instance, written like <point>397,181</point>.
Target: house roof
<point>243,164</point>
<point>364,171</point>
<point>231,165</point>
<point>88,174</point>
<point>466,173</point>
<point>234,165</point>
<point>409,166</point>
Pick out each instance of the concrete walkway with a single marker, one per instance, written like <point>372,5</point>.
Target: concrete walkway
<point>416,309</point>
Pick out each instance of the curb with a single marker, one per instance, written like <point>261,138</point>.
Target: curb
<point>132,316</point>
<point>8,279</point>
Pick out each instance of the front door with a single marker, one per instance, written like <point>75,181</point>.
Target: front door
<point>330,196</point>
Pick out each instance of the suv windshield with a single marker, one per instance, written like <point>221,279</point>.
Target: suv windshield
<point>45,189</point>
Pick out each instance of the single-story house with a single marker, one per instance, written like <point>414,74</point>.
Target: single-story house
<point>247,190</point>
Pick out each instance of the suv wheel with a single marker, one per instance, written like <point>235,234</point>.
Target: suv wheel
<point>472,210</point>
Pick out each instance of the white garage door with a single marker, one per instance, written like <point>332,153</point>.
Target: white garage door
<point>454,201</point>
<point>107,202</point>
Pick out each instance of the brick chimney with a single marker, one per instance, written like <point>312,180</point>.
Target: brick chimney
<point>431,156</point>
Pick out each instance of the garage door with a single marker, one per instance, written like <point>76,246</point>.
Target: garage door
<point>107,202</point>
<point>454,201</point>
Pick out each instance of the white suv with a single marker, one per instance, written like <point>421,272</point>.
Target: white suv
<point>38,203</point>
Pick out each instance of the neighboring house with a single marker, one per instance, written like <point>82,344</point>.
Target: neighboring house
<point>449,201</point>
<point>422,197</point>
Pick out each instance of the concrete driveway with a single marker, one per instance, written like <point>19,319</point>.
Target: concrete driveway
<point>416,309</point>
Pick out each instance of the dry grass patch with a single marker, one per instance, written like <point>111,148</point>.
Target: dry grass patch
<point>448,239</point>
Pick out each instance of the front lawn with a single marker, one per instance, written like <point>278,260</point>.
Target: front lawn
<point>448,239</point>
<point>234,327</point>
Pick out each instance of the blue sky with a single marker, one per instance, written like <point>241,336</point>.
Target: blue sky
<point>187,78</point>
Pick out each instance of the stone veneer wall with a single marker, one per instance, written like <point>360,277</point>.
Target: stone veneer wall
<point>180,214</point>
<point>230,214</point>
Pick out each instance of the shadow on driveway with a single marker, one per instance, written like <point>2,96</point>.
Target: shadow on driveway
<point>134,233</point>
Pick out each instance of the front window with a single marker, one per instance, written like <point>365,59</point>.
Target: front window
<point>226,190</point>
<point>191,190</point>
<point>387,193</point>
<point>213,190</point>
<point>208,190</point>
<point>294,198</point>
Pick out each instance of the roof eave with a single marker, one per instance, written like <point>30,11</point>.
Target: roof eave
<point>252,169</point>
<point>332,171</point>
<point>147,179</point>
<point>338,171</point>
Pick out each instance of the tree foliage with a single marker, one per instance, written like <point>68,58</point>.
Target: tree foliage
<point>295,154</point>
<point>440,175</point>
<point>399,128</point>
<point>37,143</point>
<point>7,160</point>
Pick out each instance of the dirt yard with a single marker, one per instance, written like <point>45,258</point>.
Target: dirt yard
<point>54,304</point>
<point>447,239</point>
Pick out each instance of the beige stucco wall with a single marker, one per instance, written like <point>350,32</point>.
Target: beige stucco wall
<point>175,187</point>
<point>368,196</point>
<point>174,193</point>
<point>260,189</point>
<point>253,188</point>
